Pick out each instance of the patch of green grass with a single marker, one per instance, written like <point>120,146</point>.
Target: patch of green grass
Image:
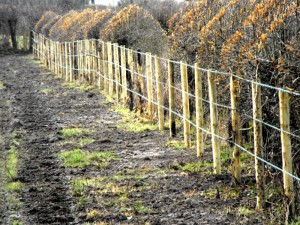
<point>133,123</point>
<point>196,167</point>
<point>12,164</point>
<point>70,84</point>
<point>81,87</point>
<point>70,132</point>
<point>47,91</point>
<point>128,177</point>
<point>139,207</point>
<point>14,186</point>
<point>85,141</point>
<point>1,85</point>
<point>176,144</point>
<point>17,222</point>
<point>79,185</point>
<point>243,211</point>
<point>80,158</point>
<point>296,222</point>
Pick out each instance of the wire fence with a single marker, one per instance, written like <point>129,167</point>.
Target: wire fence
<point>209,101</point>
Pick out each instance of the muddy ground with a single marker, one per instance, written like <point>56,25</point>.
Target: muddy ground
<point>144,182</point>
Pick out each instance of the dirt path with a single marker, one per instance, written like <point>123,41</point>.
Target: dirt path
<point>143,183</point>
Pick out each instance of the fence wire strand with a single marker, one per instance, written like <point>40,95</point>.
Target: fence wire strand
<point>84,54</point>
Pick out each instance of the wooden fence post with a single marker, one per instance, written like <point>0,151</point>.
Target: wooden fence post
<point>104,58</point>
<point>117,70</point>
<point>61,59</point>
<point>95,62</point>
<point>214,122</point>
<point>66,62</point>
<point>140,80</point>
<point>235,130</point>
<point>186,107</point>
<point>287,161</point>
<point>99,66</point>
<point>258,145</point>
<point>160,97</point>
<point>124,71</point>
<point>71,60</point>
<point>172,122</point>
<point>110,70</point>
<point>149,85</point>
<point>199,110</point>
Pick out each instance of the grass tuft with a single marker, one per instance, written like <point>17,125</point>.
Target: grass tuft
<point>80,158</point>
<point>70,132</point>
<point>243,211</point>
<point>133,123</point>
<point>12,164</point>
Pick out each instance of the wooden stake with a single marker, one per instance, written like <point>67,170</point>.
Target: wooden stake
<point>214,122</point>
<point>95,62</point>
<point>131,65</point>
<point>117,70</point>
<point>199,110</point>
<point>149,85</point>
<point>99,63</point>
<point>104,58</point>
<point>66,62</point>
<point>258,145</point>
<point>186,107</point>
<point>160,97</point>
<point>140,80</point>
<point>287,161</point>
<point>110,69</point>
<point>123,70</point>
<point>235,130</point>
<point>171,99</point>
<point>71,59</point>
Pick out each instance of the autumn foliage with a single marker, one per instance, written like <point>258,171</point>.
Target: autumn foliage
<point>47,16</point>
<point>134,27</point>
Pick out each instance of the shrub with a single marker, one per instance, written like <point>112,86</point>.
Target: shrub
<point>47,16</point>
<point>46,28</point>
<point>93,27</point>
<point>134,27</point>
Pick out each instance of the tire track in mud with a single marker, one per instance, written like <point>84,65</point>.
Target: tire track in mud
<point>44,196</point>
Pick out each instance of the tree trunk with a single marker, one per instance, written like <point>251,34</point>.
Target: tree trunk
<point>13,32</point>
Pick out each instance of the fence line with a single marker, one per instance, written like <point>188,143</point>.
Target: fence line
<point>80,60</point>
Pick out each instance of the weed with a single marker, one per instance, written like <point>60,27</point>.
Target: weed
<point>93,214</point>
<point>139,207</point>
<point>243,211</point>
<point>47,91</point>
<point>80,158</point>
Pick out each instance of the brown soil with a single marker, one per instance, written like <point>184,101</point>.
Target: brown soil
<point>143,184</point>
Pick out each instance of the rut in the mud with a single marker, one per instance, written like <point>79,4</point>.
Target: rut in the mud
<point>44,198</point>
